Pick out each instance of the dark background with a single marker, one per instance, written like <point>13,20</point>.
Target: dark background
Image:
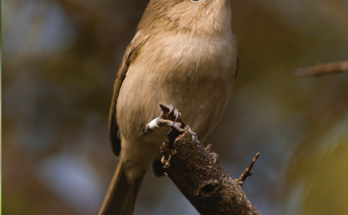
<point>60,58</point>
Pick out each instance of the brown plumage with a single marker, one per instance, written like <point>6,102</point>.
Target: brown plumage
<point>183,54</point>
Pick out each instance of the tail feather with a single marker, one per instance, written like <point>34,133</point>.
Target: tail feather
<point>121,196</point>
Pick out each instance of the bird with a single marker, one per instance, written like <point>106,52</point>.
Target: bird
<point>184,54</point>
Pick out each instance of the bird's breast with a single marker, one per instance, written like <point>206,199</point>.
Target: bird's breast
<point>185,55</point>
<point>193,74</point>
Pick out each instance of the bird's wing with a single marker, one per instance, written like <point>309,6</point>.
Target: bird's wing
<point>129,57</point>
<point>237,68</point>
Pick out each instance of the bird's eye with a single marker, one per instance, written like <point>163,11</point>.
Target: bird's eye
<point>195,0</point>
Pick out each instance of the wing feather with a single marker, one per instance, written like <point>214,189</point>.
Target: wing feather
<point>129,57</point>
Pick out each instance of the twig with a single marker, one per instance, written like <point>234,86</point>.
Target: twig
<point>247,172</point>
<point>324,69</point>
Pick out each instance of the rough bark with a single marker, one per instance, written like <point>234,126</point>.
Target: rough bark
<point>204,182</point>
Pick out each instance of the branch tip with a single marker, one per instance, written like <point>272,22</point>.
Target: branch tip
<point>323,69</point>
<point>247,172</point>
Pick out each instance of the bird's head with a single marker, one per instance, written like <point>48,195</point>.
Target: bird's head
<point>206,17</point>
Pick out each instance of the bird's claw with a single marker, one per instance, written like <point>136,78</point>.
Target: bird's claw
<point>177,115</point>
<point>170,113</point>
<point>171,117</point>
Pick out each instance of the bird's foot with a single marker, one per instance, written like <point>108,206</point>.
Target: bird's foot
<point>170,117</point>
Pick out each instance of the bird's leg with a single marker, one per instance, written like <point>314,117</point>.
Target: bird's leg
<point>170,117</point>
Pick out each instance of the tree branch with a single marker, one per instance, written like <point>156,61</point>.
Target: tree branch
<point>324,69</point>
<point>196,172</point>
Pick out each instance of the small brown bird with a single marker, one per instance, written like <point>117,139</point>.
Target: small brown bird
<point>184,54</point>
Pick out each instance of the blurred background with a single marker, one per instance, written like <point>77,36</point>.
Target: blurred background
<point>60,58</point>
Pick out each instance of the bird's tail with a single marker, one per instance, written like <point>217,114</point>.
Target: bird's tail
<point>121,196</point>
